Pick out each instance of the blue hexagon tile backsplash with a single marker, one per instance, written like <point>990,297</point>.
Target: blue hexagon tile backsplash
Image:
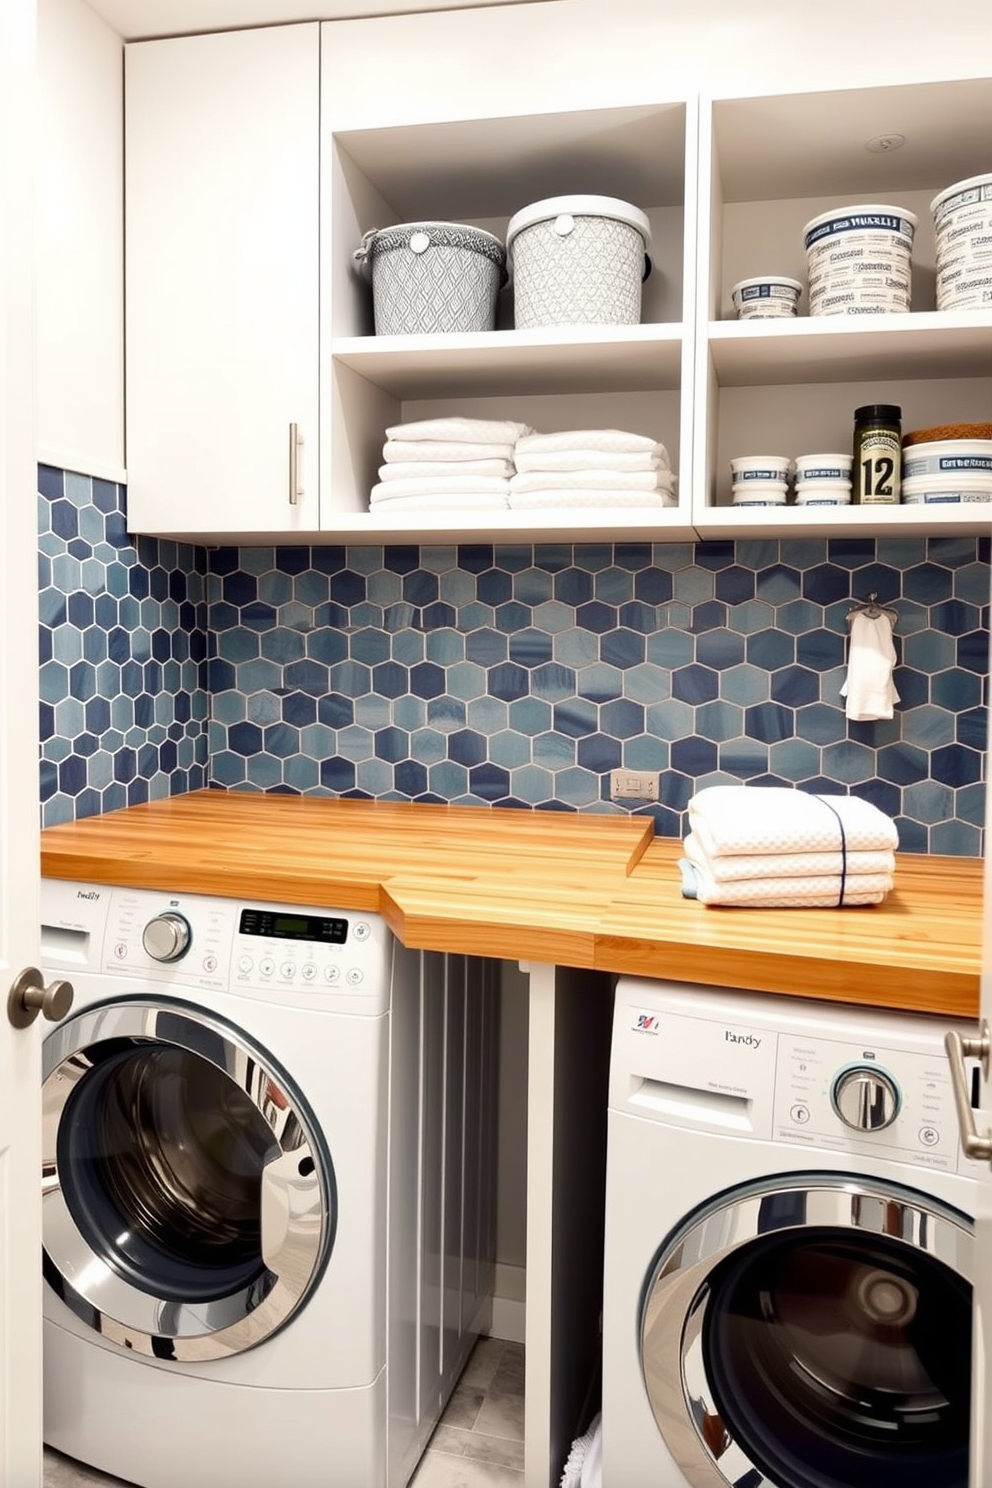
<point>122,643</point>
<point>504,675</point>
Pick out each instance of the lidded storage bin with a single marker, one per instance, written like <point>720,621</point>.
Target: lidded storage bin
<point>859,260</point>
<point>962,224</point>
<point>578,260</point>
<point>432,277</point>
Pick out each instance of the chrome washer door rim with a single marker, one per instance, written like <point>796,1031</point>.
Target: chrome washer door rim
<point>297,1199</point>
<point>677,1293</point>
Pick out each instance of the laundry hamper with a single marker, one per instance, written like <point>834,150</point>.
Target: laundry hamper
<point>431,277</point>
<point>578,260</point>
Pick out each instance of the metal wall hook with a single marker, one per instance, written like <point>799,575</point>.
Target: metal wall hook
<point>872,608</point>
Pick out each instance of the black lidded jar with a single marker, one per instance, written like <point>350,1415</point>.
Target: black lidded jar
<point>877,455</point>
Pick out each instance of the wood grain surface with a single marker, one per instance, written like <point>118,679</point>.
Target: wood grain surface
<point>573,889</point>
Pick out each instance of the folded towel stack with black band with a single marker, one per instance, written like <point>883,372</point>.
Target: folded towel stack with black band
<point>777,847</point>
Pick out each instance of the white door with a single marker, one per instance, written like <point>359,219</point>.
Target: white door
<point>20,1101</point>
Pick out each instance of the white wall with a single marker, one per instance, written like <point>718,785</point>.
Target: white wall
<point>80,241</point>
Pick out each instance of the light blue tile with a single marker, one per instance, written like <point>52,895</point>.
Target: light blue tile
<point>670,720</point>
<point>645,752</point>
<point>577,787</point>
<point>794,759</point>
<point>928,802</point>
<point>509,749</point>
<point>554,750</point>
<point>532,784</point>
<point>409,712</point>
<point>487,715</point>
<point>373,712</point>
<point>576,648</point>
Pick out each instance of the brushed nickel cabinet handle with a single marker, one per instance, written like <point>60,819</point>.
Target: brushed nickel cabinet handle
<point>295,463</point>
<point>978,1148</point>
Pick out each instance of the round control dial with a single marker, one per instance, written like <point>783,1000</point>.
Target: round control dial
<point>166,937</point>
<point>866,1099</point>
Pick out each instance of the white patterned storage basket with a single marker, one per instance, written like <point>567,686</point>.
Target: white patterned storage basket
<point>578,260</point>
<point>430,277</point>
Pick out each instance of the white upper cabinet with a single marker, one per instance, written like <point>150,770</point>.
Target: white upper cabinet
<point>256,161</point>
<point>221,206</point>
<point>80,246</point>
<point>768,166</point>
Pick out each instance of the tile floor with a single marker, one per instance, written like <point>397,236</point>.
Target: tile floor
<point>479,1441</point>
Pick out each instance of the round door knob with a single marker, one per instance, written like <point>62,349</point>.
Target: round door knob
<point>29,996</point>
<point>166,937</point>
<point>866,1099</point>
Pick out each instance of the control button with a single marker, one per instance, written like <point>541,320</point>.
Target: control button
<point>866,1099</point>
<point>120,950</point>
<point>361,930</point>
<point>266,966</point>
<point>209,964</point>
<point>355,977</point>
<point>332,973</point>
<point>288,970</point>
<point>929,1136</point>
<point>245,963</point>
<point>800,1114</point>
<point>166,937</point>
<point>309,971</point>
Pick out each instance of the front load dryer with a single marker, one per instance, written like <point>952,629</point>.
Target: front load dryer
<point>233,1291</point>
<point>789,1247</point>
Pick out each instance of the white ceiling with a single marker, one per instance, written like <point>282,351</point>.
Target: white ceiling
<point>136,20</point>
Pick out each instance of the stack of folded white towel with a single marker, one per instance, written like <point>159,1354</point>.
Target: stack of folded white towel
<point>591,467</point>
<point>447,464</point>
<point>779,848</point>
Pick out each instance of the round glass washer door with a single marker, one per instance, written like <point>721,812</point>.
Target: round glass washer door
<point>813,1332</point>
<point>188,1204</point>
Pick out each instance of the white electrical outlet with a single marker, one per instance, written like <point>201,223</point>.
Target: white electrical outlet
<point>634,785</point>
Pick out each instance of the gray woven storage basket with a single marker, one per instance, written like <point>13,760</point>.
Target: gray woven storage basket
<point>431,277</point>
<point>578,260</point>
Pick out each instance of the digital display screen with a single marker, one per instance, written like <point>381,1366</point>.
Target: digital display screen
<point>275,926</point>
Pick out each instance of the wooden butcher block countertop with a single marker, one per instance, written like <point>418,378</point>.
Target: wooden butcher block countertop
<point>568,888</point>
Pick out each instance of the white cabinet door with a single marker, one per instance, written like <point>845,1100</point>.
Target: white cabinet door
<point>221,272</point>
<point>20,1065</point>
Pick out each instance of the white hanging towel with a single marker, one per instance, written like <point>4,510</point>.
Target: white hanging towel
<point>869,689</point>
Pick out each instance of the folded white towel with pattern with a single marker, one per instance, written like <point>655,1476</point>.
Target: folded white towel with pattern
<point>443,449</point>
<point>586,498</point>
<point>439,485</point>
<point>591,459</point>
<point>593,480</point>
<point>777,819</point>
<point>610,440</point>
<point>732,867</point>
<point>784,893</point>
<point>461,430</point>
<point>403,468</point>
<point>464,501</point>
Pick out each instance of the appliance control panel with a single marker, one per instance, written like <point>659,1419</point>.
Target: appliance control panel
<point>866,1096</point>
<point>306,955</point>
<point>806,1075</point>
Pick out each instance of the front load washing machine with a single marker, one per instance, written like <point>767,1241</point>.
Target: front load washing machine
<point>789,1247</point>
<point>233,1295</point>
